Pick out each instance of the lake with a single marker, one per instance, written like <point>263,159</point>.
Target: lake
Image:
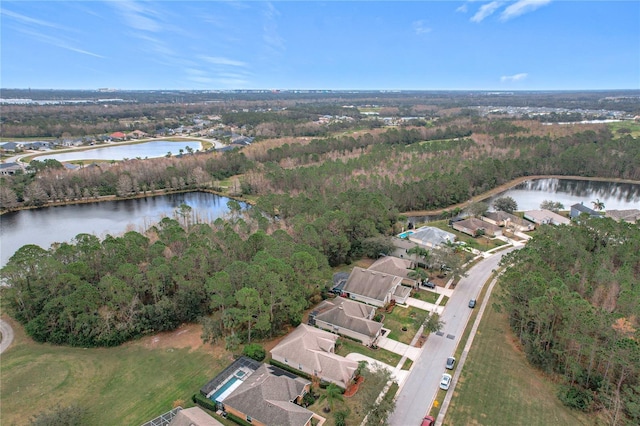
<point>57,224</point>
<point>152,149</point>
<point>62,223</point>
<point>615,196</point>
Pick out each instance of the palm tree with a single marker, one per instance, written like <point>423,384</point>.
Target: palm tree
<point>598,205</point>
<point>334,393</point>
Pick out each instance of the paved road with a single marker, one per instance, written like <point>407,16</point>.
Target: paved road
<point>7,335</point>
<point>419,390</point>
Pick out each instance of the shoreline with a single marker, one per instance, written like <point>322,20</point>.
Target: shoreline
<point>494,191</point>
<point>509,185</point>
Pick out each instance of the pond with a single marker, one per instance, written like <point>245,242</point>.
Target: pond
<point>62,223</point>
<point>152,149</point>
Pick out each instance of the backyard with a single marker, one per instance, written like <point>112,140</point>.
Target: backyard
<point>129,384</point>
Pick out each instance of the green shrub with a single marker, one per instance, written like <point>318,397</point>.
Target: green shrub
<point>255,351</point>
<point>576,397</point>
<point>204,402</point>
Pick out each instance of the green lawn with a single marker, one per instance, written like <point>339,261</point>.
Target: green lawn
<point>129,384</point>
<point>411,318</point>
<point>348,346</point>
<point>634,127</point>
<point>426,296</point>
<point>498,387</point>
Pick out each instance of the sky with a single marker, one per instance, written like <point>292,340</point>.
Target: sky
<point>339,45</point>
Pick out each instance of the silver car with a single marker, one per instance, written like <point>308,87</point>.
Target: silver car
<point>445,382</point>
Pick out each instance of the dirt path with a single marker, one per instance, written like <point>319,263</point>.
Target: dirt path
<point>510,185</point>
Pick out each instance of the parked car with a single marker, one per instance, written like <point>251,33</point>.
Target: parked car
<point>451,361</point>
<point>429,284</point>
<point>472,303</point>
<point>428,421</point>
<point>445,382</point>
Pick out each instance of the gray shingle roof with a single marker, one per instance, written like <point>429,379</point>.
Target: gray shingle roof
<point>345,313</point>
<point>392,266</point>
<point>431,236</point>
<point>372,284</point>
<point>266,396</point>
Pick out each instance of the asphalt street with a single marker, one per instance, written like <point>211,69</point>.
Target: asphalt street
<point>420,389</point>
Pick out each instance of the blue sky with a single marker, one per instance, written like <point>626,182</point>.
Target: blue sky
<point>393,45</point>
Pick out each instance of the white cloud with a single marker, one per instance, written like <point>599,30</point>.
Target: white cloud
<point>58,42</point>
<point>521,7</point>
<point>217,60</point>
<point>270,29</point>
<point>420,28</point>
<point>462,9</point>
<point>515,77</point>
<point>138,16</point>
<point>28,20</point>
<point>485,10</point>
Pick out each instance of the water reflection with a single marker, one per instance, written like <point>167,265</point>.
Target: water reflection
<point>58,224</point>
<point>530,194</point>
<point>120,152</point>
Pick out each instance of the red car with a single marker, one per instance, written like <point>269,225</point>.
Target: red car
<point>428,421</point>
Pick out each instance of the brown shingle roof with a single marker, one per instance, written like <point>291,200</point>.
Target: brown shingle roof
<point>313,348</point>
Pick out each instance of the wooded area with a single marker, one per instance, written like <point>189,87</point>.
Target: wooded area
<point>573,298</point>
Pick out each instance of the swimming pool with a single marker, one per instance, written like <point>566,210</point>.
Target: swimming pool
<point>405,234</point>
<point>226,389</point>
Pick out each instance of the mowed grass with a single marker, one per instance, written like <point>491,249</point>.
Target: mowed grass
<point>498,386</point>
<point>126,385</point>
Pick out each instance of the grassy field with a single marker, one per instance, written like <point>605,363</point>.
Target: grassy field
<point>634,127</point>
<point>498,387</point>
<point>128,385</point>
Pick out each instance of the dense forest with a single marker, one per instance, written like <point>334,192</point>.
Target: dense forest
<point>417,167</point>
<point>573,299</point>
<point>102,293</point>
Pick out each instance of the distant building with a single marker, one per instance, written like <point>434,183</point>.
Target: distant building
<point>348,318</point>
<point>630,215</point>
<point>579,208</point>
<point>375,288</point>
<point>429,236</point>
<point>542,217</point>
<point>10,168</point>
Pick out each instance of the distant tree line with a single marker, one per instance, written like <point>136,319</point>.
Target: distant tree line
<point>573,301</point>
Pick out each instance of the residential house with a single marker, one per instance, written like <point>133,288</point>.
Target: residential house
<point>430,237</point>
<point>508,220</point>
<point>10,168</point>
<point>395,266</point>
<point>579,208</point>
<point>348,318</point>
<point>12,146</point>
<point>117,136</point>
<point>270,396</point>
<point>543,216</point>
<point>375,288</point>
<point>401,250</point>
<point>136,134</point>
<point>474,227</point>
<point>194,416</point>
<point>631,215</point>
<point>312,351</point>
